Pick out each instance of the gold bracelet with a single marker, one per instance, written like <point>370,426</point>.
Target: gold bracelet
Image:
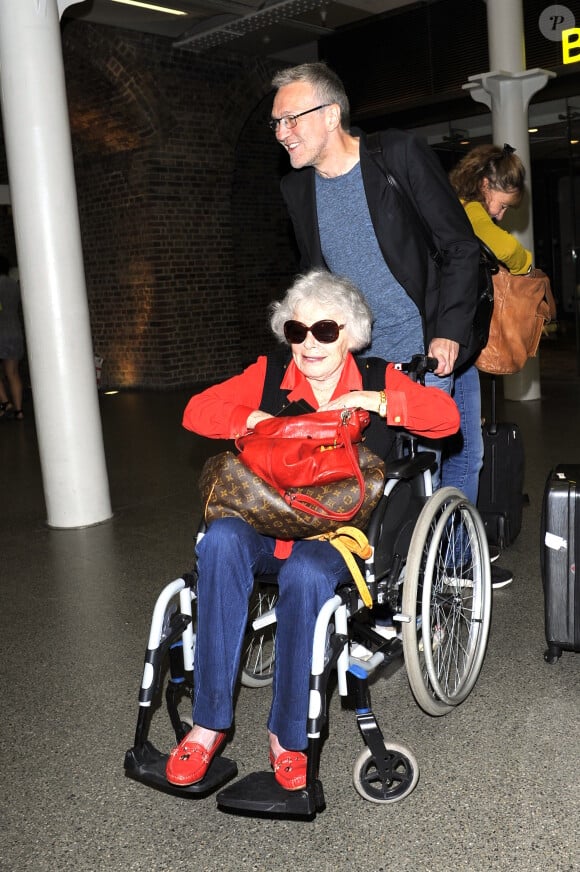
<point>382,404</point>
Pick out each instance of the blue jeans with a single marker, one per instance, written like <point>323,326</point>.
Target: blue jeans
<point>444,383</point>
<point>463,453</point>
<point>229,556</point>
<point>460,457</point>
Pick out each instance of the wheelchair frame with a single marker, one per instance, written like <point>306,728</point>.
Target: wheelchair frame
<point>430,566</point>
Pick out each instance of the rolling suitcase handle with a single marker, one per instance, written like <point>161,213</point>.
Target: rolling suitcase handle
<point>493,422</point>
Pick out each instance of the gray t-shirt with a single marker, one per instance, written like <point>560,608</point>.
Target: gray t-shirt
<point>351,249</point>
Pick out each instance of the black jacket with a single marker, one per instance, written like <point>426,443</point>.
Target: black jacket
<point>445,297</point>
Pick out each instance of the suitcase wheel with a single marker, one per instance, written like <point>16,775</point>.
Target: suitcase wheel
<point>552,654</point>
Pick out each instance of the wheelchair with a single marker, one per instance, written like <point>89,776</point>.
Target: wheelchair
<point>429,574</point>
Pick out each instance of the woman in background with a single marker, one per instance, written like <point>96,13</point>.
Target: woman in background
<point>11,344</point>
<point>489,180</point>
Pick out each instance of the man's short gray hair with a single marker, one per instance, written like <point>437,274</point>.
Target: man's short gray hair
<point>336,292</point>
<point>328,87</point>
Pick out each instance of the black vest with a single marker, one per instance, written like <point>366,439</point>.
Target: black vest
<point>378,437</point>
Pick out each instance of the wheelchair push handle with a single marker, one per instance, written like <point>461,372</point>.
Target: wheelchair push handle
<point>418,366</point>
<point>416,369</point>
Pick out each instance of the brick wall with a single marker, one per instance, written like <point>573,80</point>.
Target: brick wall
<point>185,237</point>
<point>262,232</point>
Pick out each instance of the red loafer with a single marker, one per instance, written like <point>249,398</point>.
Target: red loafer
<point>289,769</point>
<point>189,761</point>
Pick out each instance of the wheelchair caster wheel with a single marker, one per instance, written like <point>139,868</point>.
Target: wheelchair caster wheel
<point>402,774</point>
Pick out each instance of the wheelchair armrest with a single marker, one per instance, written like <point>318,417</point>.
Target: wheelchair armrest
<point>409,467</point>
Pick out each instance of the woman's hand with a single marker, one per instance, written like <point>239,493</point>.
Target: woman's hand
<point>368,400</point>
<point>255,417</point>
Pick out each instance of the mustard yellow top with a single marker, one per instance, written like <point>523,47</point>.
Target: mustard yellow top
<point>505,246</point>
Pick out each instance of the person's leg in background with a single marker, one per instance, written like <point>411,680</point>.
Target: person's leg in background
<point>4,398</point>
<point>444,383</point>
<point>12,372</point>
<point>463,455</point>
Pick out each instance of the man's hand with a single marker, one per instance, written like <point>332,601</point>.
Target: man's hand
<point>446,351</point>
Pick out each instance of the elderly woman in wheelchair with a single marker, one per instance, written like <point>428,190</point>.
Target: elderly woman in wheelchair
<point>322,320</point>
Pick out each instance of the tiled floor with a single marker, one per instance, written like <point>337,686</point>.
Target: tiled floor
<point>500,776</point>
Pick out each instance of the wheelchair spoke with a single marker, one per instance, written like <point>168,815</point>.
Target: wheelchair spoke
<point>258,652</point>
<point>448,584</point>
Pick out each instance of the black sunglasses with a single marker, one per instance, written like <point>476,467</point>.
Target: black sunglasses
<point>323,331</point>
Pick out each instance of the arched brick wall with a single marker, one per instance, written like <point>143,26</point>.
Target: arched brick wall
<point>172,156</point>
<point>262,231</point>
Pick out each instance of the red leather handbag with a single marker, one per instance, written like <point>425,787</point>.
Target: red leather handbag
<point>305,451</point>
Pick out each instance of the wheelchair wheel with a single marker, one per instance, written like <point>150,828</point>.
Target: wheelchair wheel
<point>402,774</point>
<point>447,596</point>
<point>259,645</point>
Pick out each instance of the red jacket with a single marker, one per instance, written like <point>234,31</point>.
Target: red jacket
<point>221,411</point>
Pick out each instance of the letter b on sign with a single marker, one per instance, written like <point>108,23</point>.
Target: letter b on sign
<point>571,45</point>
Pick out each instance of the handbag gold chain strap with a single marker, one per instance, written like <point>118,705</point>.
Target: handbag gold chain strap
<point>349,541</point>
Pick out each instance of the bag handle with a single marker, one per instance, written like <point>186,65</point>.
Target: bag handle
<point>311,506</point>
<point>491,260</point>
<point>349,541</point>
<point>373,143</point>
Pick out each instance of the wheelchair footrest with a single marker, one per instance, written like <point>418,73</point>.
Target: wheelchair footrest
<point>147,765</point>
<point>260,794</point>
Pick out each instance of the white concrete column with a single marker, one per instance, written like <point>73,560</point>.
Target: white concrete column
<point>505,35</point>
<point>507,91</point>
<point>48,243</point>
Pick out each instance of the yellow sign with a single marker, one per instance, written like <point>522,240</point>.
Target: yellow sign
<point>571,45</point>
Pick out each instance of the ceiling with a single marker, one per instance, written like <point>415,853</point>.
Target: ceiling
<point>286,29</point>
<point>554,131</point>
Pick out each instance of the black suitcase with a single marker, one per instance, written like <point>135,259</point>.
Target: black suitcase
<point>501,498</point>
<point>560,543</point>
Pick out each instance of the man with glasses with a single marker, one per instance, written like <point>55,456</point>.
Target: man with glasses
<point>349,219</point>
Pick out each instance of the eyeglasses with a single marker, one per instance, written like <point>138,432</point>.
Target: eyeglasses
<point>292,120</point>
<point>323,331</point>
